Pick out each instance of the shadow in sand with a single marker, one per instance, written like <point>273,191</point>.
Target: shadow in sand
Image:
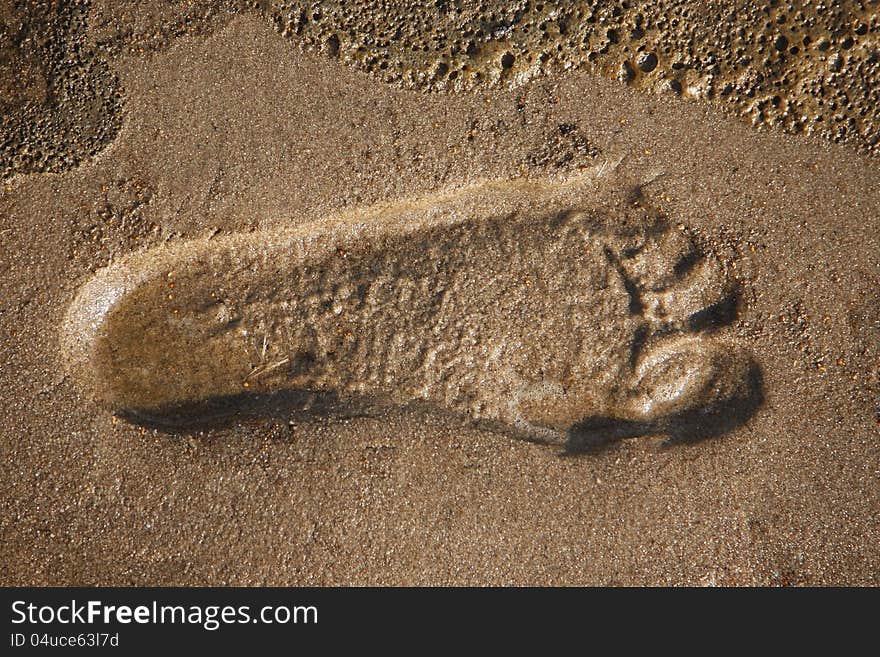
<point>223,412</point>
<point>590,436</point>
<point>597,434</point>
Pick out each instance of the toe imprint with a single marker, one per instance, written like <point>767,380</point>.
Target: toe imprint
<point>533,305</point>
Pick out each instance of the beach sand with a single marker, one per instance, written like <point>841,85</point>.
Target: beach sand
<point>235,133</point>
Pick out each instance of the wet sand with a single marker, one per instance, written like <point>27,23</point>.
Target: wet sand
<point>237,131</point>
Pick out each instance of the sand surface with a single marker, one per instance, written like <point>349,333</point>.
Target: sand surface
<point>233,133</point>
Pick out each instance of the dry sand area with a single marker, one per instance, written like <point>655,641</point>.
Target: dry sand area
<point>449,293</point>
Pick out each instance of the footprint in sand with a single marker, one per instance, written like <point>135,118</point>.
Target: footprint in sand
<point>564,312</point>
